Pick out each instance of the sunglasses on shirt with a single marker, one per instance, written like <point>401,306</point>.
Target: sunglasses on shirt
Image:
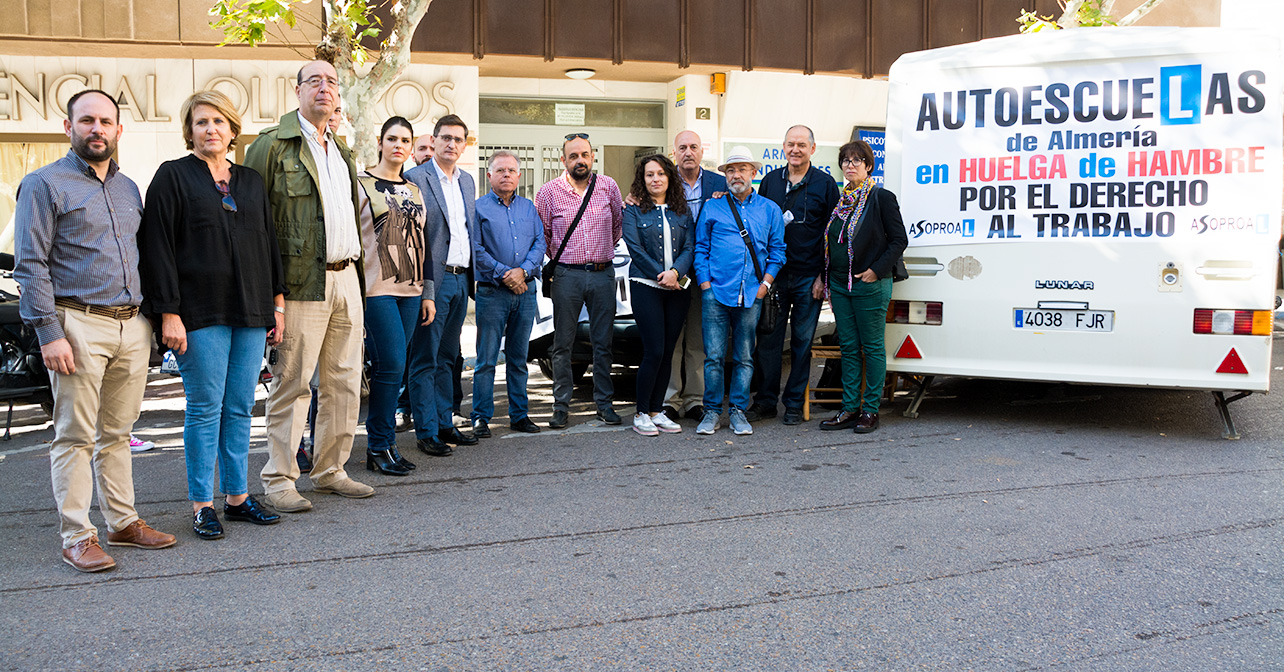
<point>229,204</point>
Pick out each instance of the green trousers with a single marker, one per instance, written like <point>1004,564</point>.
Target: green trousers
<point>860,315</point>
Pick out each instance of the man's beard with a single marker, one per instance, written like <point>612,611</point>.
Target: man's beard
<point>738,188</point>
<point>80,144</point>
<point>579,171</point>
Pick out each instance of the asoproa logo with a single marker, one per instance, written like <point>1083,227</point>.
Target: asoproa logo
<point>965,228</point>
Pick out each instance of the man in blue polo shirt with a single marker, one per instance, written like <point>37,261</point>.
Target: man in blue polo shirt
<point>509,249</point>
<point>806,196</point>
<point>731,285</point>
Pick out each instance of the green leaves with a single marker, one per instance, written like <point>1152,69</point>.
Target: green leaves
<point>1033,23</point>
<point>343,25</point>
<point>1078,14</point>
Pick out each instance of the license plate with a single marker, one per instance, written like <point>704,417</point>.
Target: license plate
<point>1036,319</point>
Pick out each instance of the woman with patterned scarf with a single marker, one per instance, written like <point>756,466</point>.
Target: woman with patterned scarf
<point>863,240</point>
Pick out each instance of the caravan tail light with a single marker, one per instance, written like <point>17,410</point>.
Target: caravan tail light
<point>1238,322</point>
<point>914,312</point>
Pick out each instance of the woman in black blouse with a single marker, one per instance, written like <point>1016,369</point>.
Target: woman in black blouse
<point>212,275</point>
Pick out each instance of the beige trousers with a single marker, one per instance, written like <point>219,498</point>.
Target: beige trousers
<point>325,337</point>
<point>94,411</point>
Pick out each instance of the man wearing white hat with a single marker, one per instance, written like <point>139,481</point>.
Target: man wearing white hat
<point>740,247</point>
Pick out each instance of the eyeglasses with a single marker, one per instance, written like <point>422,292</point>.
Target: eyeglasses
<point>850,163</point>
<point>315,81</point>
<point>228,203</point>
<point>572,136</point>
<point>452,139</point>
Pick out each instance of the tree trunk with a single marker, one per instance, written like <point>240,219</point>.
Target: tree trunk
<point>362,92</point>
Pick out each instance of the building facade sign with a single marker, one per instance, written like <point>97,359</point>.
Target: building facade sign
<point>34,90</point>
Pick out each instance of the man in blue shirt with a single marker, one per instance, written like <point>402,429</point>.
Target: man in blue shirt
<point>509,248</point>
<point>733,284</point>
<point>806,196</point>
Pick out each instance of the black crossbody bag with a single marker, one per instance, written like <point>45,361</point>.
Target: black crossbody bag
<point>771,302</point>
<point>546,282</point>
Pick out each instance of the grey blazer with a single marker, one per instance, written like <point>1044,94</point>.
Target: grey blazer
<point>436,229</point>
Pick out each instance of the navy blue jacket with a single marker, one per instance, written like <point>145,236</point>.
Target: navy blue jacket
<point>811,205</point>
<point>644,236</point>
<point>710,183</point>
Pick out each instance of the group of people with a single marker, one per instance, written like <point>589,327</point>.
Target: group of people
<point>798,235</point>
<point>299,251</point>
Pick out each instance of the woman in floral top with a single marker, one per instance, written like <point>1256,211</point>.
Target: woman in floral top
<point>397,291</point>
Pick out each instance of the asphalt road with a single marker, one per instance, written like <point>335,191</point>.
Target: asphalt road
<point>1010,527</point>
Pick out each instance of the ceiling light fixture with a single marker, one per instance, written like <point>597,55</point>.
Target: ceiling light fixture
<point>580,73</point>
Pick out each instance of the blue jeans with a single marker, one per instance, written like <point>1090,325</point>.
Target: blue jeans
<point>219,369</point>
<point>433,350</point>
<point>803,311</point>
<point>721,323</point>
<point>502,314</point>
<point>390,320</point>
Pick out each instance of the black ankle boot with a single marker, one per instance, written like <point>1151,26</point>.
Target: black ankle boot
<point>382,460</point>
<point>396,457</point>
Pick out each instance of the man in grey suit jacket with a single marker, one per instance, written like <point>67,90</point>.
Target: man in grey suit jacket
<point>450,223</point>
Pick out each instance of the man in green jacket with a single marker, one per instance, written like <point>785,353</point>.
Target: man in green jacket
<point>312,187</point>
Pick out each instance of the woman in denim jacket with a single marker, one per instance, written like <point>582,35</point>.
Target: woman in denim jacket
<point>661,240</point>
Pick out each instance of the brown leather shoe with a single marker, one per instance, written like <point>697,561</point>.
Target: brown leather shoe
<point>87,556</point>
<point>346,487</point>
<point>866,423</point>
<point>139,535</point>
<point>843,420</point>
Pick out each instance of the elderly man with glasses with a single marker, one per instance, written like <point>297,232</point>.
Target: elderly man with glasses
<point>312,191</point>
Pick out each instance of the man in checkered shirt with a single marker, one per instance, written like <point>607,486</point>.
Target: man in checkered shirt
<point>585,273</point>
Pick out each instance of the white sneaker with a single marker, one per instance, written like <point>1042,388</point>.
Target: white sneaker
<point>642,425</point>
<point>664,424</point>
<point>137,445</point>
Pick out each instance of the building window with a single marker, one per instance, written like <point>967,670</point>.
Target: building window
<point>597,113</point>
<point>19,155</point>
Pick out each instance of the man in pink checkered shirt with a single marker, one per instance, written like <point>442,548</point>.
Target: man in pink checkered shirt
<point>585,273</point>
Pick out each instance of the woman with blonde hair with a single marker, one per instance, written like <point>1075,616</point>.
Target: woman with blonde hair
<point>212,278</point>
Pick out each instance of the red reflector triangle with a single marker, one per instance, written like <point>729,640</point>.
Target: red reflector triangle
<point>1232,364</point>
<point>909,350</point>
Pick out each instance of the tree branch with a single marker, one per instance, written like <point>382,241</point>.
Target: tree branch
<point>1135,15</point>
<point>1070,17</point>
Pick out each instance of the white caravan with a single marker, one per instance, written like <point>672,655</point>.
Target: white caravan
<point>1090,206</point>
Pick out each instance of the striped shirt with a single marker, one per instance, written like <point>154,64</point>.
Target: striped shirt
<point>342,239</point>
<point>598,231</point>
<point>76,237</point>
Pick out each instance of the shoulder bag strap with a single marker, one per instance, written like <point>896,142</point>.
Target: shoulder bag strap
<point>744,235</point>
<point>575,222</point>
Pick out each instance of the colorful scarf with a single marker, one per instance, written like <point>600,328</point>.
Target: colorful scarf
<point>851,205</point>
